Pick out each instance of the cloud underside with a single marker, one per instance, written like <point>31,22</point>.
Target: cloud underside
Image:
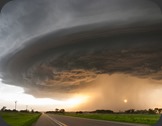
<point>79,57</point>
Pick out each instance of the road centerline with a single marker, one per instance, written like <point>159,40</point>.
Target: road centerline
<point>56,121</point>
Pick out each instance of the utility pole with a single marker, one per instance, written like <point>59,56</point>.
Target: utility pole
<point>15,104</point>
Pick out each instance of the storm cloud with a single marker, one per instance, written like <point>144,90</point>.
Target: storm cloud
<point>52,47</point>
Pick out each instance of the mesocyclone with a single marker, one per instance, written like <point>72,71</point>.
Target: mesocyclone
<point>53,47</point>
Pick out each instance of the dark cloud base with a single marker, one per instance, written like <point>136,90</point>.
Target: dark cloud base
<point>67,60</point>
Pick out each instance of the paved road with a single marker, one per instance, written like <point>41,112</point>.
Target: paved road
<point>2,122</point>
<point>58,120</point>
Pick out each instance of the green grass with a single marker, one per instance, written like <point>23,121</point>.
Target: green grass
<point>130,118</point>
<point>19,119</point>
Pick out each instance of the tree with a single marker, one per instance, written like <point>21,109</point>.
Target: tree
<point>62,110</point>
<point>56,110</point>
<point>160,110</point>
<point>130,111</point>
<point>32,110</point>
<point>3,108</point>
<point>79,112</point>
<point>156,110</point>
<point>103,111</point>
<point>151,111</point>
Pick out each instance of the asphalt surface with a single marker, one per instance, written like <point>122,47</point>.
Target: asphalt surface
<point>59,120</point>
<point>159,123</point>
<point>2,122</point>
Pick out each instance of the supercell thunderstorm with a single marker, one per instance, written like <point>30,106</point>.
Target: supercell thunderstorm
<point>53,48</point>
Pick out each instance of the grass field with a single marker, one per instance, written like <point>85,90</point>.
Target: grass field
<point>19,119</point>
<point>131,118</point>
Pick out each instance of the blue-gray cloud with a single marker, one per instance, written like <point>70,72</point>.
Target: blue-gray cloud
<point>60,46</point>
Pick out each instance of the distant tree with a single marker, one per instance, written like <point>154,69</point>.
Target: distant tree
<point>37,112</point>
<point>24,111</point>
<point>56,110</point>
<point>3,108</point>
<point>62,111</point>
<point>14,110</point>
<point>79,112</point>
<point>32,110</point>
<point>103,111</point>
<point>151,111</point>
<point>8,110</point>
<point>141,111</point>
<point>130,111</point>
<point>158,110</point>
<point>50,112</point>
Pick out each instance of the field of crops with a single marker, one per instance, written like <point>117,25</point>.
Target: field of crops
<point>19,118</point>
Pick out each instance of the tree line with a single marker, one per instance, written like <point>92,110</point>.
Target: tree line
<point>4,109</point>
<point>129,111</point>
<point>57,111</point>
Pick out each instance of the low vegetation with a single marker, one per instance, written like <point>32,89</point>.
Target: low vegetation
<point>19,118</point>
<point>130,118</point>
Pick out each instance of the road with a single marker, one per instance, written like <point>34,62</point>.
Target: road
<point>2,122</point>
<point>59,120</point>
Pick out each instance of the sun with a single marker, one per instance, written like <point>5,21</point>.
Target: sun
<point>125,100</point>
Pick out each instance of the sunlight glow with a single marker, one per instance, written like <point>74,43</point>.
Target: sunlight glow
<point>125,100</point>
<point>155,97</point>
<point>77,100</point>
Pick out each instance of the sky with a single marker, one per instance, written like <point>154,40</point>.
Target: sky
<point>81,55</point>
